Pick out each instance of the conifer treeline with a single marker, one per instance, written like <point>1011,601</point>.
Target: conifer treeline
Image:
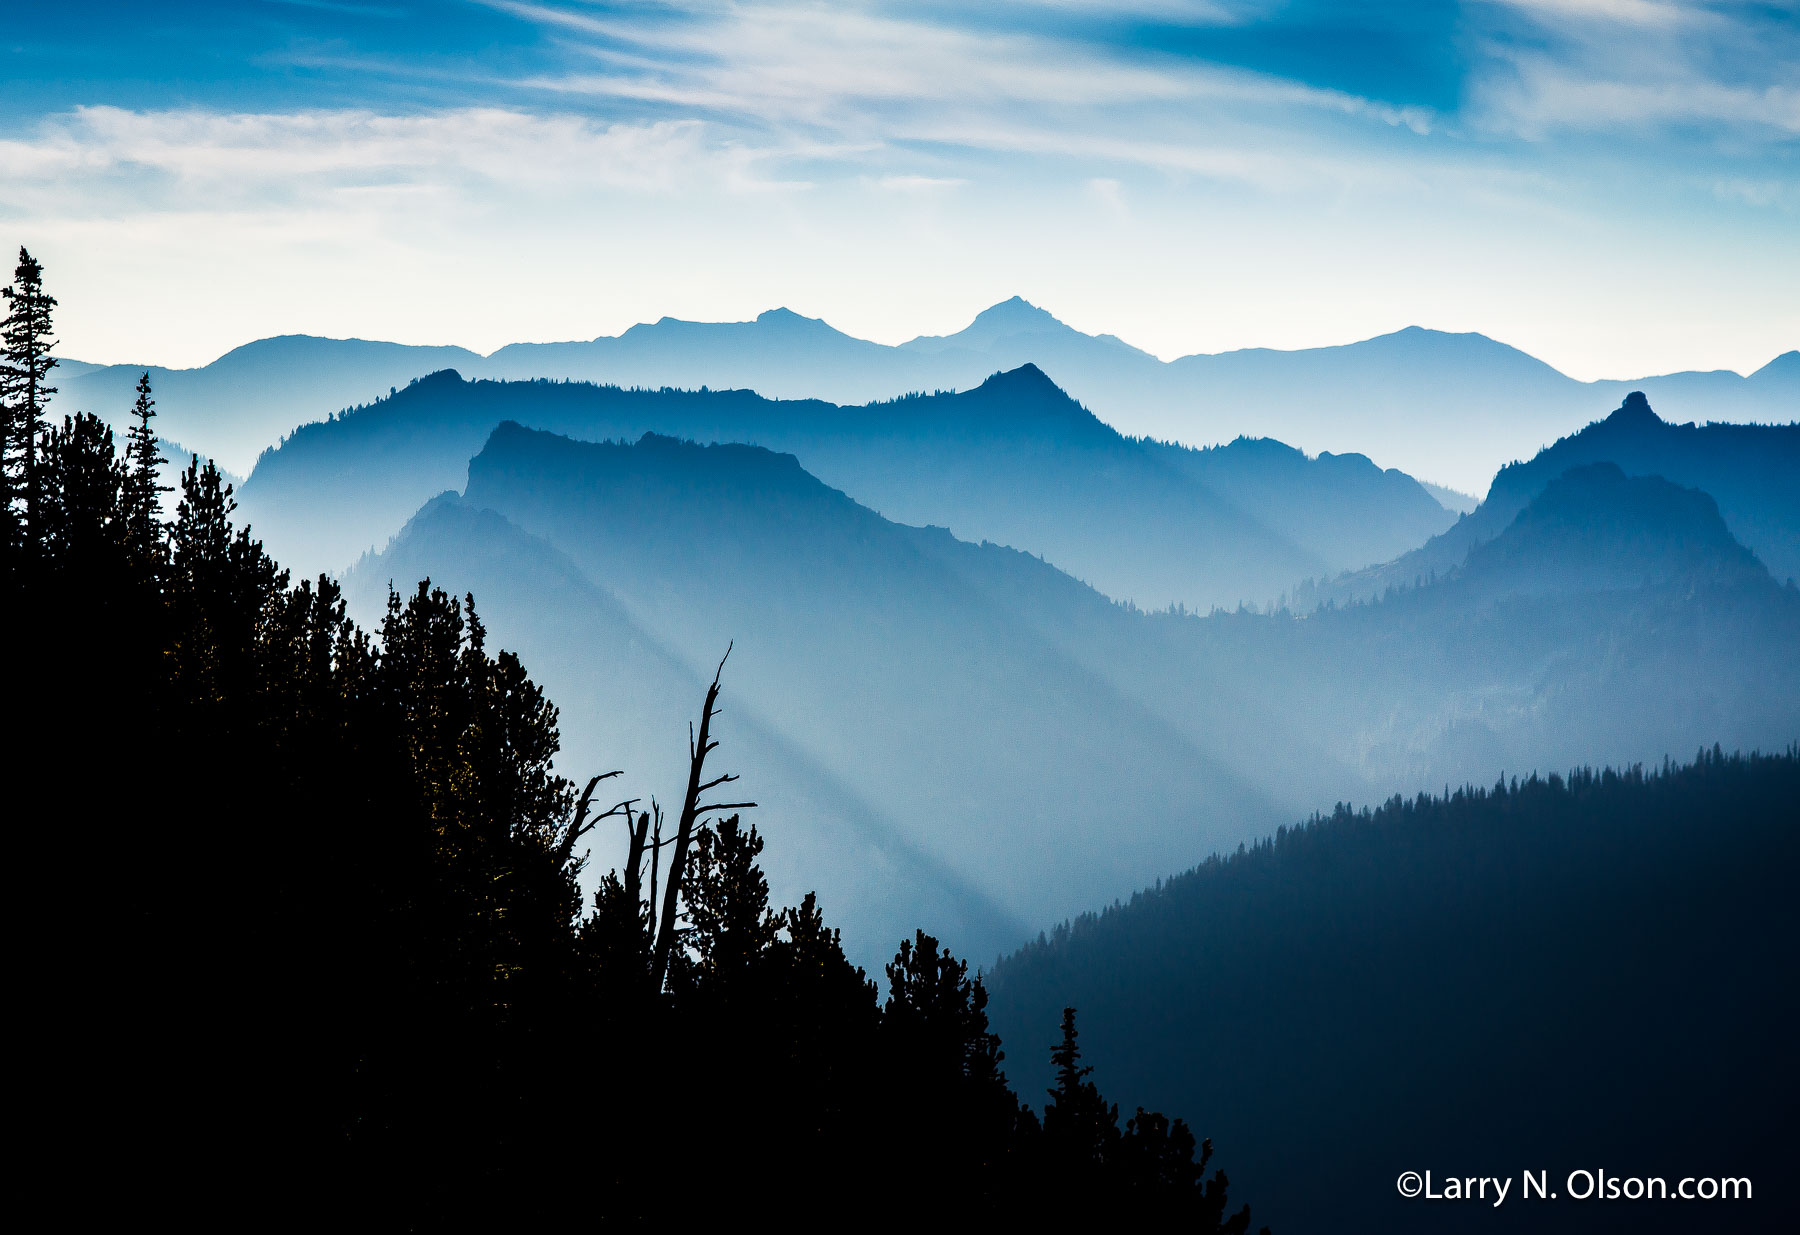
<point>1587,967</point>
<point>307,936</point>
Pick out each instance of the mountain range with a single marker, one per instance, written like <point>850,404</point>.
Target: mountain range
<point>886,653</point>
<point>1449,408</point>
<point>1748,470</point>
<point>1014,461</point>
<point>1005,745</point>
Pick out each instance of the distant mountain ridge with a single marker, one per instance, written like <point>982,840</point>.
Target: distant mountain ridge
<point>1594,528</point>
<point>629,695</point>
<point>1748,470</point>
<point>1002,741</point>
<point>883,652</point>
<point>1449,408</point>
<point>1015,461</point>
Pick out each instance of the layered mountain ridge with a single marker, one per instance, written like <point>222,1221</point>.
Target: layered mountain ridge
<point>1449,408</point>
<point>1747,470</point>
<point>1015,461</point>
<point>1033,747</point>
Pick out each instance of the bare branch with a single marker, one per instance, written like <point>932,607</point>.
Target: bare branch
<point>725,806</point>
<point>579,825</point>
<point>656,845</point>
<point>700,744</point>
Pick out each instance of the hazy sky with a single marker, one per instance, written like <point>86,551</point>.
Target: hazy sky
<point>1613,185</point>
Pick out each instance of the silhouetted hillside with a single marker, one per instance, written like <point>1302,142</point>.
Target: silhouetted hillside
<point>1013,461</point>
<point>1591,972</point>
<point>1748,470</point>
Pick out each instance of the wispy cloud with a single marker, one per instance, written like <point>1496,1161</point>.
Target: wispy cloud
<point>1659,13</point>
<point>90,159</point>
<point>799,64</point>
<point>1726,73</point>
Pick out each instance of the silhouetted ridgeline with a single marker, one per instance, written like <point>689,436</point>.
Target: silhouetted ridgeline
<point>1594,971</point>
<point>1448,407</point>
<point>1015,461</point>
<point>341,971</point>
<point>866,652</point>
<point>1748,470</point>
<point>1615,620</point>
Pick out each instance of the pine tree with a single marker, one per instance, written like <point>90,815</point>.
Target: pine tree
<point>730,926</point>
<point>1079,1124</point>
<point>80,526</point>
<point>25,363</point>
<point>143,488</point>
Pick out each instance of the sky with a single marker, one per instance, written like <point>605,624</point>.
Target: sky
<point>1611,185</point>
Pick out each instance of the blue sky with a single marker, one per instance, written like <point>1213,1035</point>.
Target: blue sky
<point>1613,185</point>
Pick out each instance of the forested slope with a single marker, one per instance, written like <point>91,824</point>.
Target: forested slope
<point>1590,971</point>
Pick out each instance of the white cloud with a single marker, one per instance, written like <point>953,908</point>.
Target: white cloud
<point>860,72</point>
<point>917,185</point>
<point>1631,12</point>
<point>106,160</point>
<point>1643,67</point>
<point>1545,97</point>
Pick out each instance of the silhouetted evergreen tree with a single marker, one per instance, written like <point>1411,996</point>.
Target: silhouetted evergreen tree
<point>730,929</point>
<point>80,527</point>
<point>1081,1130</point>
<point>143,486</point>
<point>25,364</point>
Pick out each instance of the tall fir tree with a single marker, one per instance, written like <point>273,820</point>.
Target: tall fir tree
<point>1081,1127</point>
<point>143,486</point>
<point>25,364</point>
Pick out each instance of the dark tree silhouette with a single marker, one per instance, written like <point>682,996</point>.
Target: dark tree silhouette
<point>691,810</point>
<point>143,486</point>
<point>25,364</point>
<point>339,952</point>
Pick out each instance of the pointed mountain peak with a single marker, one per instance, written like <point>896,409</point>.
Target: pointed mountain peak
<point>432,383</point>
<point>1015,316</point>
<point>1786,365</point>
<point>1634,411</point>
<point>785,322</point>
<point>1006,320</point>
<point>1026,379</point>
